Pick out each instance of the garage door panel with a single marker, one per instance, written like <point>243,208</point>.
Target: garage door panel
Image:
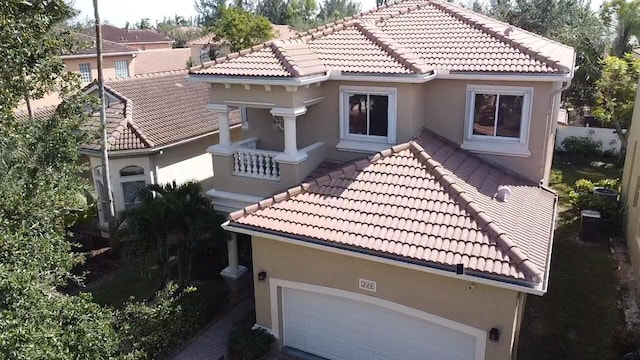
<point>340,328</point>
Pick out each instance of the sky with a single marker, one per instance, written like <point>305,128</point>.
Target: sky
<point>118,12</point>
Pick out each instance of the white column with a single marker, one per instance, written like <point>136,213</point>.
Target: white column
<point>289,116</point>
<point>234,270</point>
<point>223,123</point>
<point>290,142</point>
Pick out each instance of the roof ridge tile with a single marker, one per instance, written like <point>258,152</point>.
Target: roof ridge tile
<point>155,74</point>
<point>337,25</point>
<point>481,217</point>
<point>458,14</point>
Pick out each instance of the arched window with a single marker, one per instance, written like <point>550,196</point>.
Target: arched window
<point>131,170</point>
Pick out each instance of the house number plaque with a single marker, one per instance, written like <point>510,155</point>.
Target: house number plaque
<point>367,285</point>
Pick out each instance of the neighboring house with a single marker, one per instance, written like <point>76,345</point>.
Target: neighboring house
<point>152,61</point>
<point>631,190</point>
<point>136,38</point>
<point>118,62</point>
<point>200,47</point>
<point>431,130</point>
<point>158,132</point>
<point>118,59</point>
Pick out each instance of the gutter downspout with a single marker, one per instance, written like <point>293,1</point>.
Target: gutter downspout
<point>550,128</point>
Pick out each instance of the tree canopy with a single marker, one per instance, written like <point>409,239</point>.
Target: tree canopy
<point>242,29</point>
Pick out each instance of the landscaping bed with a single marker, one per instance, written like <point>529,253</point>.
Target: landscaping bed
<point>580,316</point>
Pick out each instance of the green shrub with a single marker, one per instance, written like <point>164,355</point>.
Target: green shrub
<point>247,344</point>
<point>581,197</point>
<point>158,327</point>
<point>582,145</point>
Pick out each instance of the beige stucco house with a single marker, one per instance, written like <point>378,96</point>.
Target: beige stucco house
<point>631,190</point>
<point>392,178</point>
<point>158,132</point>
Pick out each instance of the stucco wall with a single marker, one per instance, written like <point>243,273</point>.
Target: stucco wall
<point>108,65</point>
<point>190,161</point>
<point>482,307</point>
<point>630,189</point>
<point>438,105</point>
<point>115,165</point>
<point>445,105</point>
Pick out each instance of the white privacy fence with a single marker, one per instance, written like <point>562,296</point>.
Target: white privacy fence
<point>608,137</point>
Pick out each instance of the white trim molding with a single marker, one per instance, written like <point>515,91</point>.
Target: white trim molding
<point>226,201</point>
<point>497,145</point>
<point>297,111</point>
<point>355,142</point>
<point>276,284</point>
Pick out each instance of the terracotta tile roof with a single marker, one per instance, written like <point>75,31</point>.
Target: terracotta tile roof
<point>412,37</point>
<point>151,61</point>
<point>125,36</point>
<point>157,109</point>
<point>108,47</point>
<point>431,204</point>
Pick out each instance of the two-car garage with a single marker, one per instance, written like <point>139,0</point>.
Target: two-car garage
<point>346,325</point>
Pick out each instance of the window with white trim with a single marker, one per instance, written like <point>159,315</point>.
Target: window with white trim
<point>497,119</point>
<point>132,180</point>
<point>85,73</point>
<point>122,69</point>
<point>367,118</point>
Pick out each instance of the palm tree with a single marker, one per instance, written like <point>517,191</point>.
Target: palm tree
<point>171,218</point>
<point>626,18</point>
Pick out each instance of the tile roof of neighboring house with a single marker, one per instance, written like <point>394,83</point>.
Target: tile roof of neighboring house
<point>410,37</point>
<point>157,109</point>
<point>108,47</point>
<point>280,32</point>
<point>43,112</point>
<point>126,36</point>
<point>425,202</point>
<point>151,61</point>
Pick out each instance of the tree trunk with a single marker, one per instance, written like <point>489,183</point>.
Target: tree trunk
<point>182,265</point>
<point>623,143</point>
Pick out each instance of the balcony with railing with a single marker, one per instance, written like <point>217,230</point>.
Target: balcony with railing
<point>251,162</point>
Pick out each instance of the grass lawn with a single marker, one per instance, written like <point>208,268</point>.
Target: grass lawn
<point>578,316</point>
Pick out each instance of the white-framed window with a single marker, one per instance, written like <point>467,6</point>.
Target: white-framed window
<point>132,180</point>
<point>85,73</point>
<point>498,119</point>
<point>368,118</point>
<point>122,69</point>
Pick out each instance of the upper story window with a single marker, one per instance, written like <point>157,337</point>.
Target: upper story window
<point>85,73</point>
<point>122,69</point>
<point>497,120</point>
<point>367,118</point>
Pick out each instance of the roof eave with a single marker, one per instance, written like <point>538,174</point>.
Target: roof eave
<point>85,56</point>
<point>443,270</point>
<point>505,76</point>
<point>254,80</point>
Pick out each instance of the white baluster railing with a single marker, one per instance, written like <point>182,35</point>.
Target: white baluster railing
<point>256,163</point>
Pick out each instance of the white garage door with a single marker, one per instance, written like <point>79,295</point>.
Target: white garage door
<point>340,328</point>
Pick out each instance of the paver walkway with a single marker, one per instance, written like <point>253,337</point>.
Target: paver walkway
<point>212,344</point>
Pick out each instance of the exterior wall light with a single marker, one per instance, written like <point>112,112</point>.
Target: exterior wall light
<point>262,276</point>
<point>494,335</point>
